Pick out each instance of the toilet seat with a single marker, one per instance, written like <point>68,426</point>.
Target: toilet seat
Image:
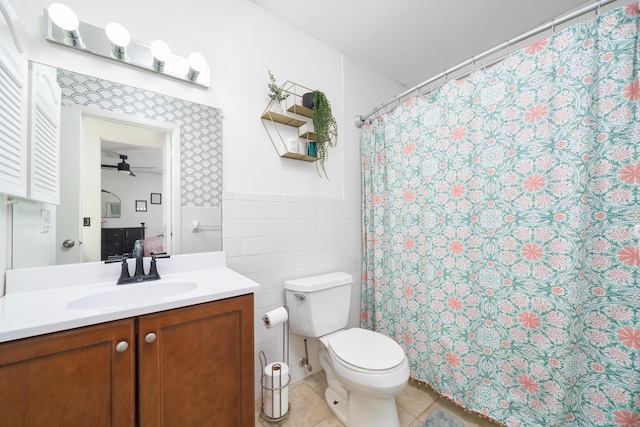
<point>367,351</point>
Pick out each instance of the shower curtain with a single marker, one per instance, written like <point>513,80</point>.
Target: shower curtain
<point>498,219</point>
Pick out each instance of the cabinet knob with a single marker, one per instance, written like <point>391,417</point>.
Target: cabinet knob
<point>122,346</point>
<point>150,337</point>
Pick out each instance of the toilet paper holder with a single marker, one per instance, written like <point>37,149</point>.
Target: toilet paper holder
<point>275,392</point>
<point>281,391</point>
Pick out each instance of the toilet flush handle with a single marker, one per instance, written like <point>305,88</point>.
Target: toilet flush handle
<point>300,297</point>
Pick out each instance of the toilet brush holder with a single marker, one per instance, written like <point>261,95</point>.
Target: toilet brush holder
<point>274,382</point>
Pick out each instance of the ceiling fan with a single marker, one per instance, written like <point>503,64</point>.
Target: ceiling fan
<point>123,166</point>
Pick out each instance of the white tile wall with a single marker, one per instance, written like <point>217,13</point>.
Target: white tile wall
<point>271,238</point>
<point>209,235</point>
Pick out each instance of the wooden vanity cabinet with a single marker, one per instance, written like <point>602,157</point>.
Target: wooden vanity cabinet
<point>71,378</point>
<point>194,368</point>
<point>198,369</point>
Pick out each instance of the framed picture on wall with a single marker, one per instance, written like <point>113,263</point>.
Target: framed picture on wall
<point>141,205</point>
<point>156,198</point>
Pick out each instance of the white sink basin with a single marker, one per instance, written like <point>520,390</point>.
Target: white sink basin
<point>132,295</point>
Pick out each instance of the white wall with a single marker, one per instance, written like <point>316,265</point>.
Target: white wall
<point>36,248</point>
<point>280,219</point>
<point>130,189</point>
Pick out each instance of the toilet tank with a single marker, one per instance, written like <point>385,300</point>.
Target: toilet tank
<point>318,305</point>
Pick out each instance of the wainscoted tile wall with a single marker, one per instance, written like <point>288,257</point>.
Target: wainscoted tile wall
<point>272,238</point>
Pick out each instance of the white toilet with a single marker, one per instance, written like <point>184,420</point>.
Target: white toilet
<point>365,369</point>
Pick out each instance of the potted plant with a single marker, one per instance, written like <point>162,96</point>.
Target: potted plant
<point>325,128</point>
<point>307,100</point>
<point>276,94</point>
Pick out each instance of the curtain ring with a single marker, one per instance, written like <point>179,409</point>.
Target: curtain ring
<point>598,9</point>
<point>553,26</point>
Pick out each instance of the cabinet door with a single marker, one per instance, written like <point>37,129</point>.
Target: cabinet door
<point>199,369</point>
<point>73,378</point>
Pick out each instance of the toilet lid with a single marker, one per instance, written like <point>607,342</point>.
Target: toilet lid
<point>367,349</point>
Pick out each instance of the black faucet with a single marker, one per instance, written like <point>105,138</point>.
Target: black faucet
<point>138,254</point>
<point>139,275</point>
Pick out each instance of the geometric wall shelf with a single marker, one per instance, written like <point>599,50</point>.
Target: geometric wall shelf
<point>289,128</point>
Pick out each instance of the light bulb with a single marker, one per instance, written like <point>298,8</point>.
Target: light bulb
<point>63,17</point>
<point>120,39</point>
<point>161,53</point>
<point>160,50</point>
<point>197,63</point>
<point>118,35</point>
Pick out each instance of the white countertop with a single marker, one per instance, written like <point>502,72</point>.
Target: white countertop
<point>44,300</point>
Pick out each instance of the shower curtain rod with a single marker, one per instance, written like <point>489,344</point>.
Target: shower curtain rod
<point>358,121</point>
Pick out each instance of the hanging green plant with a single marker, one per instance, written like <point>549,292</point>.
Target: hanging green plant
<point>325,128</point>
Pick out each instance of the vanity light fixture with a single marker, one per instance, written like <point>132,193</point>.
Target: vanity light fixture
<point>161,54</point>
<point>119,38</point>
<point>67,20</point>
<point>62,26</point>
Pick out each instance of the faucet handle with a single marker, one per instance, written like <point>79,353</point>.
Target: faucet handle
<point>116,258</point>
<point>153,270</point>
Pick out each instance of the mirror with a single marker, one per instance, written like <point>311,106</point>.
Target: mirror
<point>188,143</point>
<point>110,205</point>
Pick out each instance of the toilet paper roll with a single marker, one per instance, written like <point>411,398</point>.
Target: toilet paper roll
<point>276,394</point>
<point>275,317</point>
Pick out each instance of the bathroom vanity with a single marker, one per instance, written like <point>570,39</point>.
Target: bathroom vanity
<point>178,351</point>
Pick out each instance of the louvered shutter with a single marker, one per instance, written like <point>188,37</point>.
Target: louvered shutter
<point>13,107</point>
<point>44,135</point>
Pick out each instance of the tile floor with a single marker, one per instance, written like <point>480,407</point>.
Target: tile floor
<point>415,403</point>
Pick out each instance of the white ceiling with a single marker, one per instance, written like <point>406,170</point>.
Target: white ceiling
<point>141,159</point>
<point>413,40</point>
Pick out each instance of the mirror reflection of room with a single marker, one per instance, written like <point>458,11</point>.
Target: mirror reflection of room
<point>130,173</point>
<point>99,130</point>
<point>111,204</point>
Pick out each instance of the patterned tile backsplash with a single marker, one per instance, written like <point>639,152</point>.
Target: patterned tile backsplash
<point>200,128</point>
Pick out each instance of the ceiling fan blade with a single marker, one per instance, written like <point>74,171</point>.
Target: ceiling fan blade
<point>116,167</point>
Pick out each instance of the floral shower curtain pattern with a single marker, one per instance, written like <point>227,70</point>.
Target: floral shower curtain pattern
<point>498,217</point>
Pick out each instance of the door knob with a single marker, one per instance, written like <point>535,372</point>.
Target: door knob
<point>150,337</point>
<point>68,243</point>
<point>122,346</point>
